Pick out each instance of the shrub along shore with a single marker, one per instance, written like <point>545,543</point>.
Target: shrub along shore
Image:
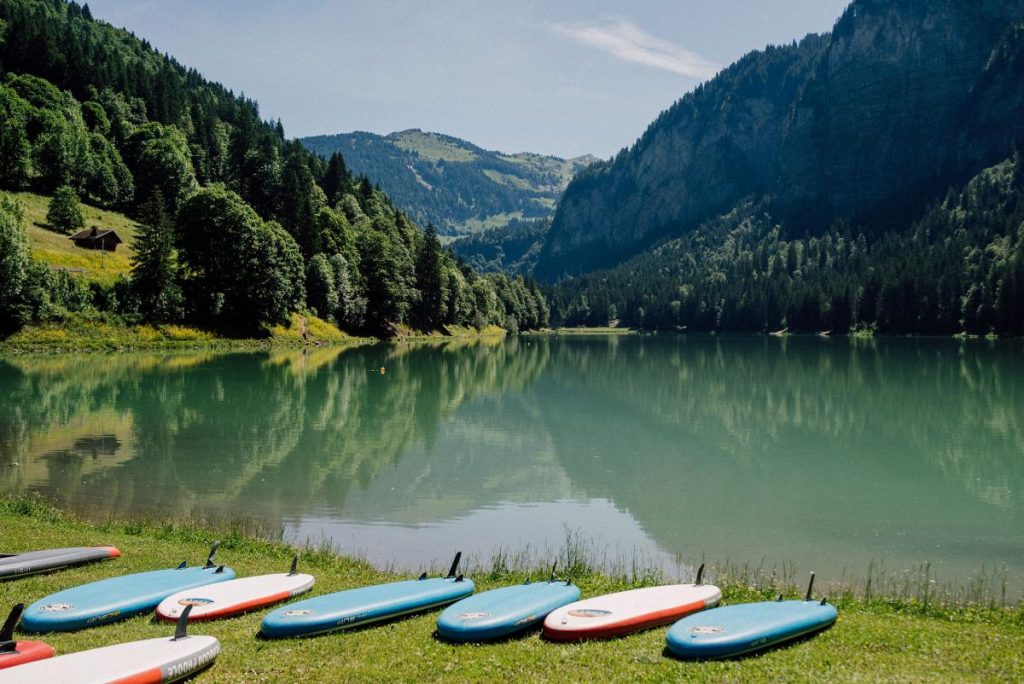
<point>873,639</point>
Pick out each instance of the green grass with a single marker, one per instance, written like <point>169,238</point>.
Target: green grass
<point>56,250</point>
<point>873,640</point>
<point>82,332</point>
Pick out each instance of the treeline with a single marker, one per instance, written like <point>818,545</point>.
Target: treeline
<point>512,248</point>
<point>959,269</point>
<point>241,226</point>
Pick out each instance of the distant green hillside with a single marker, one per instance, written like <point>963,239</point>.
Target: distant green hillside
<point>452,183</point>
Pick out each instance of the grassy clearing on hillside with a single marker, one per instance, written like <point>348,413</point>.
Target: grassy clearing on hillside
<point>872,640</point>
<point>57,250</point>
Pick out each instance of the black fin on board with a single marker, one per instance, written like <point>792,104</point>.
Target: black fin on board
<point>7,631</point>
<point>181,630</point>
<point>213,551</point>
<point>295,566</point>
<point>455,565</point>
<point>810,586</point>
<point>700,575</point>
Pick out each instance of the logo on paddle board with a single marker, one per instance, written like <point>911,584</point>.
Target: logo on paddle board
<point>589,612</point>
<point>472,616</point>
<point>195,602</point>
<point>56,607</point>
<point>297,612</point>
<point>706,629</point>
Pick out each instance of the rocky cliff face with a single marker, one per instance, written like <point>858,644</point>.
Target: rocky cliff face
<point>902,98</point>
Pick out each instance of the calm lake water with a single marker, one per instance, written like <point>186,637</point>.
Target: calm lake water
<point>807,453</point>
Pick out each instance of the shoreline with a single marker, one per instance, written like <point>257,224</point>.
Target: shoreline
<point>874,638</point>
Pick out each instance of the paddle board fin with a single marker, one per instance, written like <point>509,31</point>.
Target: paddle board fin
<point>182,565</point>
<point>824,601</point>
<point>209,559</point>
<point>219,570</point>
<point>455,565</point>
<point>7,631</point>
<point>700,575</point>
<point>181,630</point>
<point>810,586</point>
<point>779,600</point>
<point>295,566</point>
<point>422,576</point>
<point>553,566</point>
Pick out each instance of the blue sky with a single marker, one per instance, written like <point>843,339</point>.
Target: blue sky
<point>562,78</point>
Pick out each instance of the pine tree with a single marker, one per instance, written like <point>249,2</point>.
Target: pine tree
<point>154,269</point>
<point>430,308</point>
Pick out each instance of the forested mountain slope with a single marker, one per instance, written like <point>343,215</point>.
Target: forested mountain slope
<point>451,183</point>
<point>866,124</point>
<point>240,226</point>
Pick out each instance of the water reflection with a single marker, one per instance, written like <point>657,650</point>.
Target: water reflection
<point>828,453</point>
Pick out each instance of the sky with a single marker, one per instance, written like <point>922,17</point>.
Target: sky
<point>565,78</point>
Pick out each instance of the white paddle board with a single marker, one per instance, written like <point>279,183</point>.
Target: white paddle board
<point>151,661</point>
<point>630,611</point>
<point>225,599</point>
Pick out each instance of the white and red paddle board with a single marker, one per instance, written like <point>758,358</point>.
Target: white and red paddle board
<point>625,612</point>
<point>234,597</point>
<point>19,652</point>
<point>152,661</point>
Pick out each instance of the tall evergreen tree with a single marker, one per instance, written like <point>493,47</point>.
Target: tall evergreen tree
<point>430,308</point>
<point>154,267</point>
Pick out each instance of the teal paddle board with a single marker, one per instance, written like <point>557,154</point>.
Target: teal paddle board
<point>502,612</point>
<point>747,627</point>
<point>366,605</point>
<point>117,598</point>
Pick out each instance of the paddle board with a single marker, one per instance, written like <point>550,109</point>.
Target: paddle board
<point>139,662</point>
<point>630,611</point>
<point>32,562</point>
<point>358,607</point>
<point>225,599</point>
<point>19,652</point>
<point>505,611</point>
<point>117,598</point>
<point>747,627</point>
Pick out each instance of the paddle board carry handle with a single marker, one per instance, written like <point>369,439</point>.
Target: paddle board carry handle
<point>453,571</point>
<point>209,559</point>
<point>7,631</point>
<point>181,630</point>
<point>700,575</point>
<point>295,566</point>
<point>810,586</point>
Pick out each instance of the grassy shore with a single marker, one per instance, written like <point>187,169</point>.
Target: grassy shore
<point>873,640</point>
<point>99,332</point>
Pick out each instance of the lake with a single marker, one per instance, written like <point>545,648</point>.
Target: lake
<point>778,454</point>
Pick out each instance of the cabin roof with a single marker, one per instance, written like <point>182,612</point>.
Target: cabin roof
<point>95,233</point>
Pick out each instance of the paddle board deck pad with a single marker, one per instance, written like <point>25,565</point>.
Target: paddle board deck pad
<point>366,605</point>
<point>630,611</point>
<point>235,597</point>
<point>117,598</point>
<point>139,662</point>
<point>501,612</point>
<point>744,628</point>
<point>19,652</point>
<point>32,562</point>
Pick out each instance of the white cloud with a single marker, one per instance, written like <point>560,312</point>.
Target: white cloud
<point>630,43</point>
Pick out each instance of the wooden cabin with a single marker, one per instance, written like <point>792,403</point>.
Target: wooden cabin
<point>97,238</point>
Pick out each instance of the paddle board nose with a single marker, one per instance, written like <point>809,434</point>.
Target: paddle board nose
<point>112,551</point>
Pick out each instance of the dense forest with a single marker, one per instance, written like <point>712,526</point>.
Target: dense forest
<point>510,249</point>
<point>241,227</point>
<point>459,187</point>
<point>958,269</point>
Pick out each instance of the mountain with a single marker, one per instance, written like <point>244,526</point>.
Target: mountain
<point>240,229</point>
<point>867,125</point>
<point>511,249</point>
<point>451,183</point>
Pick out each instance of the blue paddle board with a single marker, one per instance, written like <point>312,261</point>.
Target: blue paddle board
<point>116,598</point>
<point>502,612</point>
<point>357,607</point>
